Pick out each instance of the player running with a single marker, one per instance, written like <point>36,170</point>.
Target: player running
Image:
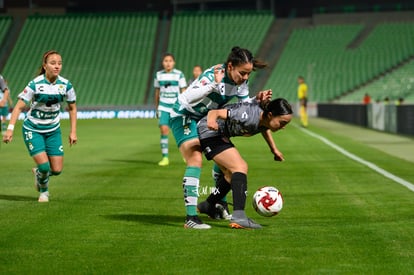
<point>41,127</point>
<point>168,83</point>
<point>214,88</point>
<point>215,131</point>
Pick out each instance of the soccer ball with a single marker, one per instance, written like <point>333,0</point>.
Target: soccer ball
<point>267,201</point>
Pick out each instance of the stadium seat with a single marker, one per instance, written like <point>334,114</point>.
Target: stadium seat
<point>107,57</point>
<point>321,55</point>
<point>213,34</point>
<point>5,23</point>
<point>395,85</point>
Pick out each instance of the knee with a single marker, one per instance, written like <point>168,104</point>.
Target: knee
<point>55,173</point>
<point>241,167</point>
<point>191,151</point>
<point>164,130</point>
<point>44,168</point>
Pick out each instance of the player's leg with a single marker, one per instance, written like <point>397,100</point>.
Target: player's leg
<point>35,144</point>
<point>54,151</point>
<point>3,115</point>
<point>237,168</point>
<point>222,205</point>
<point>42,172</point>
<point>164,131</point>
<point>215,206</point>
<point>303,115</point>
<point>185,133</point>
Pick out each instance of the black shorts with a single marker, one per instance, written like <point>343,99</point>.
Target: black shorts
<point>304,102</point>
<point>215,145</point>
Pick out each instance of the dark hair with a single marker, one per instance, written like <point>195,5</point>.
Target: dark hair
<point>168,54</point>
<point>301,77</point>
<point>44,60</point>
<point>240,56</point>
<point>278,107</point>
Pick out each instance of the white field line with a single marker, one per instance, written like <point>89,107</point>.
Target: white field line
<point>370,165</point>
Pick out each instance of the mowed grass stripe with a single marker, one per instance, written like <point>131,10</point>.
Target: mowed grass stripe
<point>113,210</point>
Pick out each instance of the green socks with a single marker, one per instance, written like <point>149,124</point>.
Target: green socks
<point>191,182</point>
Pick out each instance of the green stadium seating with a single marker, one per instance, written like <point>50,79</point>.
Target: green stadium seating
<point>5,23</point>
<point>207,38</point>
<point>395,85</point>
<point>321,55</point>
<point>107,57</point>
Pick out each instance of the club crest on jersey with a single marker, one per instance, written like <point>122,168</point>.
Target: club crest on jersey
<point>222,91</point>
<point>61,89</point>
<point>187,131</point>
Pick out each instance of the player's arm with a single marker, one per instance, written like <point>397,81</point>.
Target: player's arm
<point>20,106</point>
<point>261,96</point>
<point>267,135</point>
<point>195,93</point>
<point>157,97</point>
<point>212,117</point>
<point>182,83</point>
<point>73,120</point>
<point>264,96</point>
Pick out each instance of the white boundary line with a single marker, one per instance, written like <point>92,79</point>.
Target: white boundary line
<point>370,165</point>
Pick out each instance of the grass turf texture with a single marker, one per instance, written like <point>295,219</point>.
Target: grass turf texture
<point>113,210</point>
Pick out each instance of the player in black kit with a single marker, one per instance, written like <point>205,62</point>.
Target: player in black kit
<point>215,131</point>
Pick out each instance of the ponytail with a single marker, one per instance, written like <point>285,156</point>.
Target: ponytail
<point>239,56</point>
<point>278,107</point>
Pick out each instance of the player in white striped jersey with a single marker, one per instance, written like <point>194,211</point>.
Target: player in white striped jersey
<point>41,126</point>
<point>215,131</point>
<point>214,88</point>
<point>168,84</point>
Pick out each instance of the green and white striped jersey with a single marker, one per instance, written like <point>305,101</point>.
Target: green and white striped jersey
<point>170,84</point>
<point>204,94</point>
<point>45,100</point>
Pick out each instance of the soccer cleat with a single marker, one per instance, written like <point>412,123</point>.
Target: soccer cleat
<point>164,162</point>
<point>36,183</point>
<point>194,222</point>
<point>222,211</point>
<point>244,223</point>
<point>44,197</point>
<point>205,208</point>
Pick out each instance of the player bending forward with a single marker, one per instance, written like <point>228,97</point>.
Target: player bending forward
<point>215,131</point>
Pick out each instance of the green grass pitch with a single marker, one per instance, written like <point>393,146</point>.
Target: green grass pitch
<point>114,211</point>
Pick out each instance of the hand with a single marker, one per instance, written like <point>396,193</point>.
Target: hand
<point>218,73</point>
<point>8,136</point>
<point>278,156</point>
<point>264,95</point>
<point>212,125</point>
<point>73,139</point>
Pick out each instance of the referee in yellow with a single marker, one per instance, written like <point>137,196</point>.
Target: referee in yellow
<point>303,101</point>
